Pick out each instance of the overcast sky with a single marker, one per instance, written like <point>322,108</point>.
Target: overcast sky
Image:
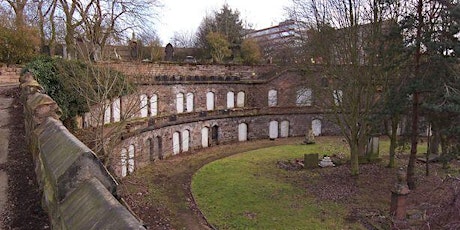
<point>186,15</point>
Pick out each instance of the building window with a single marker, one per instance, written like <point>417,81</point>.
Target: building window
<point>176,143</point>
<point>240,99</point>
<point>107,112</point>
<point>124,163</point>
<point>230,100</point>
<point>189,102</point>
<point>284,129</point>
<point>131,159</point>
<point>210,101</point>
<point>272,98</point>
<point>316,127</point>
<point>154,105</point>
<point>242,132</point>
<point>304,97</point>
<point>273,130</point>
<point>205,137</point>
<point>116,108</point>
<point>144,105</point>
<point>185,141</point>
<point>180,102</point>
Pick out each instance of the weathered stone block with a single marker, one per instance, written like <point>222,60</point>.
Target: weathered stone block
<point>67,162</point>
<point>311,160</point>
<point>91,206</point>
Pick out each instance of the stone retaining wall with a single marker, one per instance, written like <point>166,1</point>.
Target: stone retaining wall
<point>9,75</point>
<point>78,191</point>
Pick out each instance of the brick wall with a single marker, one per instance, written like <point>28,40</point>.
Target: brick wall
<point>255,113</point>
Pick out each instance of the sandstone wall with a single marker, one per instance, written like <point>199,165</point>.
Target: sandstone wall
<point>9,74</point>
<point>78,191</point>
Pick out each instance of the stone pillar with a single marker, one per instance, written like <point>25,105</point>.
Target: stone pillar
<point>398,196</point>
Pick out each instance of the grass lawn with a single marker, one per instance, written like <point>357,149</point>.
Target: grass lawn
<point>241,187</point>
<point>248,191</point>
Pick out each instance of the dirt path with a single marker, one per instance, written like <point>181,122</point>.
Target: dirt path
<point>5,105</point>
<point>19,193</point>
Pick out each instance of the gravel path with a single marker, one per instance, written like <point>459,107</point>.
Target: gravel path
<point>20,196</point>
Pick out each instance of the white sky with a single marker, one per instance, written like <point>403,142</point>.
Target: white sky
<point>186,15</point>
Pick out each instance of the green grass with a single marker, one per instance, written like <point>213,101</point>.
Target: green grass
<point>248,191</point>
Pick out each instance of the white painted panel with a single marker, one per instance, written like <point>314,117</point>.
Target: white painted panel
<point>284,129</point>
<point>154,105</point>
<point>144,105</point>
<point>205,137</point>
<point>116,108</point>
<point>189,102</point>
<point>185,141</point>
<point>131,158</point>
<point>316,127</point>
<point>107,112</point>
<point>230,100</point>
<point>242,132</point>
<point>273,130</point>
<point>272,98</point>
<point>124,165</point>
<point>176,143</point>
<point>210,101</point>
<point>240,99</point>
<point>180,102</point>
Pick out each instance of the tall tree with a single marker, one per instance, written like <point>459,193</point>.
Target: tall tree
<point>218,47</point>
<point>18,7</point>
<point>225,22</point>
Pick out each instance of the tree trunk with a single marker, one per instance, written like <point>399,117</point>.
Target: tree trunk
<point>414,133</point>
<point>354,157</point>
<point>414,142</point>
<point>393,142</point>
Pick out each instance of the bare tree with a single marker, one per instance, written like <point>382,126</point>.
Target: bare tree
<point>183,39</point>
<point>345,36</point>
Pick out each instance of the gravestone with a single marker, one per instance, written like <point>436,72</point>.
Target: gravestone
<point>309,137</point>
<point>372,151</point>
<point>310,160</point>
<point>134,48</point>
<point>169,52</point>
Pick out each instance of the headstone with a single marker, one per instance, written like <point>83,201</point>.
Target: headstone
<point>372,150</point>
<point>169,52</point>
<point>309,137</point>
<point>310,161</point>
<point>326,162</point>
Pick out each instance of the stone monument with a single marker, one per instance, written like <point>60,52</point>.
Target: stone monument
<point>169,52</point>
<point>326,162</point>
<point>309,137</point>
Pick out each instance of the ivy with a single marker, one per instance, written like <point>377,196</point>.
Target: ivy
<point>60,78</point>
